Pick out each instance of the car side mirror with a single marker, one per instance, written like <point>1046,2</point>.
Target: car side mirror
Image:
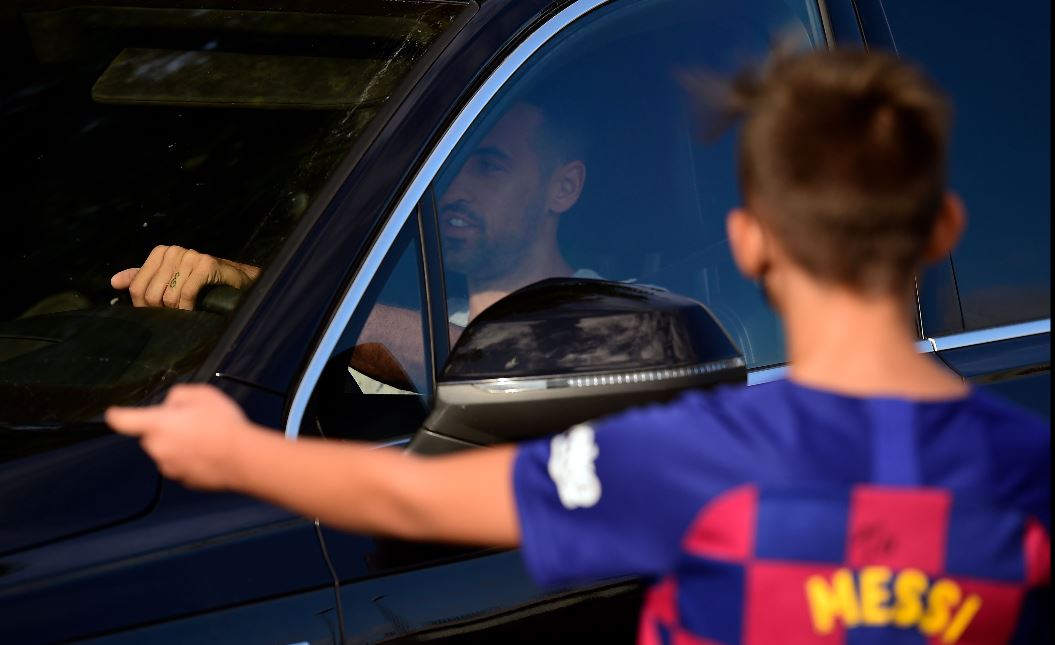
<point>566,350</point>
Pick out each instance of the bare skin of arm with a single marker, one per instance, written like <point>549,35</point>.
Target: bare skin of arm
<point>200,437</point>
<point>390,346</point>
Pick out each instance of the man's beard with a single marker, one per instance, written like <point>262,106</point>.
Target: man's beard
<point>487,259</point>
<point>477,259</point>
<point>464,256</point>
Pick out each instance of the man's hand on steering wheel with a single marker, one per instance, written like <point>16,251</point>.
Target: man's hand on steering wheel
<point>172,277</point>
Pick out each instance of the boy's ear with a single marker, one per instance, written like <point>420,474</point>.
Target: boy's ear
<point>565,186</point>
<point>948,227</point>
<point>747,240</point>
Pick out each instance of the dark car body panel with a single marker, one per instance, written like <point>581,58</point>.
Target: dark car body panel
<point>1017,369</point>
<point>107,481</point>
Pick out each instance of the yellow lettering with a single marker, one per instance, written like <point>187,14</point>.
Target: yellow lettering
<point>880,598</point>
<point>831,601</point>
<point>909,588</point>
<point>962,619</point>
<point>875,594</point>
<point>944,595</point>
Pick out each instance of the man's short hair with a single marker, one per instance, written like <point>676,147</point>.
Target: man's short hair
<point>845,153</point>
<point>562,136</point>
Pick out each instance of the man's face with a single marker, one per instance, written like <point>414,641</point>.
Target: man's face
<point>491,212</point>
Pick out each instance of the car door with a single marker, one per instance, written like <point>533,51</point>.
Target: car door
<point>651,210</point>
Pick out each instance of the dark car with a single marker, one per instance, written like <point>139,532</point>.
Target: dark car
<point>326,142</point>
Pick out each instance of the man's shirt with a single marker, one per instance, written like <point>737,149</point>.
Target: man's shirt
<point>458,306</point>
<point>785,514</point>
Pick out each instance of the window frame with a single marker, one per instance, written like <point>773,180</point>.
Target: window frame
<point>439,345</point>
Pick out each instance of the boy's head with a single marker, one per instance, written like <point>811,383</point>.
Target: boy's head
<point>843,170</point>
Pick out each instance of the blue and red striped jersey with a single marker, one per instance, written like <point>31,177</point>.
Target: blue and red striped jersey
<point>786,514</point>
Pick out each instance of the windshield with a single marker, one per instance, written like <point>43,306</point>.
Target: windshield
<point>129,127</point>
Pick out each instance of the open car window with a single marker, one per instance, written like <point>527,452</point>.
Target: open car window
<point>126,127</point>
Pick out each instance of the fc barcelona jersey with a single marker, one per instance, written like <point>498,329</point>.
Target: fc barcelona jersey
<point>785,514</point>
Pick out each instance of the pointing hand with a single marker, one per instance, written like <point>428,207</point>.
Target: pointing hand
<point>193,436</point>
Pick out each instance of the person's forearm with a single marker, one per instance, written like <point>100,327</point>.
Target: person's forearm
<point>343,484</point>
<point>400,331</point>
<point>361,488</point>
<point>376,361</point>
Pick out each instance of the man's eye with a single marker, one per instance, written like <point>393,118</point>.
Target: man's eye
<point>488,166</point>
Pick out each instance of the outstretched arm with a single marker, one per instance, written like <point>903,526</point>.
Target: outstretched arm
<point>200,437</point>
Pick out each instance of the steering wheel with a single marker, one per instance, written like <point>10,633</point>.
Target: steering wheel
<point>219,299</point>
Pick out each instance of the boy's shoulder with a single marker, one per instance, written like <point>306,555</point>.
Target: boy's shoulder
<point>725,410</point>
<point>783,410</point>
<point>781,422</point>
<point>747,430</point>
<point>999,411</point>
<point>1017,437</point>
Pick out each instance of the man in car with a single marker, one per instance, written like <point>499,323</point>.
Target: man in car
<point>499,218</point>
<point>873,495</point>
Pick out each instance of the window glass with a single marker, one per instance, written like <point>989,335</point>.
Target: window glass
<point>210,127</point>
<point>994,59</point>
<point>377,382</point>
<point>589,164</point>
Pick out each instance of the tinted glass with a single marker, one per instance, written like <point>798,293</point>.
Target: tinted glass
<point>379,376</point>
<point>394,324</point>
<point>123,128</point>
<point>994,60</point>
<point>589,164</point>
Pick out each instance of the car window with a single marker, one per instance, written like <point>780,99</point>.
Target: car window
<point>995,62</point>
<point>378,379</point>
<point>590,163</point>
<point>213,128</point>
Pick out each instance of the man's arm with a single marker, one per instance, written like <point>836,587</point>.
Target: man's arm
<point>200,437</point>
<point>390,346</point>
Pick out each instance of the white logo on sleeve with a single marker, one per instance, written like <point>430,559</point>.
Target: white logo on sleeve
<point>571,467</point>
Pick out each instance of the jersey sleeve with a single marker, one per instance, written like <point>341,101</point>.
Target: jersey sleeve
<point>615,497</point>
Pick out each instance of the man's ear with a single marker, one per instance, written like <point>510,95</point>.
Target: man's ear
<point>948,227</point>
<point>747,239</point>
<point>565,186</point>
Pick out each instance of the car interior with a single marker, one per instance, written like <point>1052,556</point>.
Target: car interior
<point>126,127</point>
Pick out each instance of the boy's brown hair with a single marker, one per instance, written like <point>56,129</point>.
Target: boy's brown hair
<point>843,157</point>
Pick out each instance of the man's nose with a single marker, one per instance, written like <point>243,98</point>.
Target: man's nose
<point>456,191</point>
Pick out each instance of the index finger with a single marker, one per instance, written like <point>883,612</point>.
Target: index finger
<point>134,422</point>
